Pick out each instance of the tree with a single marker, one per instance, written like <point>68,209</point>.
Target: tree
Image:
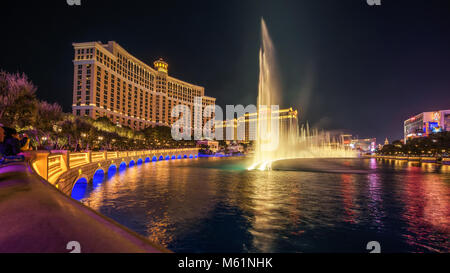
<point>46,125</point>
<point>18,103</point>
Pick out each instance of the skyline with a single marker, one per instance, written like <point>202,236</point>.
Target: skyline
<point>398,62</point>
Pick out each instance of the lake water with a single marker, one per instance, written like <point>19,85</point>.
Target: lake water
<point>216,205</point>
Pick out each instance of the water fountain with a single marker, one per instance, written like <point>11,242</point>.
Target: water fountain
<point>292,142</point>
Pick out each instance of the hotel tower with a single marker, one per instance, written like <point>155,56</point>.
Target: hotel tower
<point>110,82</point>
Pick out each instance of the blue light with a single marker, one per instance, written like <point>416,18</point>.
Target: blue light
<point>79,189</point>
<point>122,166</point>
<point>112,171</point>
<point>139,162</point>
<point>154,159</point>
<point>98,178</point>
<point>433,126</point>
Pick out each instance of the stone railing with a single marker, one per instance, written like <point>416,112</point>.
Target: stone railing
<point>425,159</point>
<point>62,168</point>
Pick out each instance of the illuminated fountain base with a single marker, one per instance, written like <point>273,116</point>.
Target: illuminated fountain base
<point>309,145</point>
<point>261,166</point>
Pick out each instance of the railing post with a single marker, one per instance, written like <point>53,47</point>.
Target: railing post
<point>66,158</point>
<point>46,167</point>
<point>89,155</point>
<point>105,155</point>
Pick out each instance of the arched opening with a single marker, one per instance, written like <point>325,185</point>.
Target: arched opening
<point>179,157</point>
<point>112,171</point>
<point>154,159</point>
<point>168,157</point>
<point>174,157</point>
<point>139,162</point>
<point>132,163</point>
<point>98,177</point>
<point>191,156</point>
<point>185,156</point>
<point>196,156</point>
<point>122,166</point>
<point>161,158</point>
<point>79,189</point>
<point>147,159</point>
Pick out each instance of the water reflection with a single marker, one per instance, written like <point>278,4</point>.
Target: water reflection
<point>375,202</point>
<point>427,212</point>
<point>215,205</point>
<point>348,192</point>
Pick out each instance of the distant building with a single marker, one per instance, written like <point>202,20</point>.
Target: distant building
<point>288,125</point>
<point>236,148</point>
<point>426,123</point>
<point>346,140</point>
<point>110,82</point>
<point>366,145</point>
<point>212,145</point>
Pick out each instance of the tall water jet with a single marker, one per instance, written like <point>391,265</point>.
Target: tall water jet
<point>279,137</point>
<point>268,94</point>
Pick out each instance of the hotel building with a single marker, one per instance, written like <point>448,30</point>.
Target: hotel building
<point>110,82</point>
<point>288,125</point>
<point>426,123</point>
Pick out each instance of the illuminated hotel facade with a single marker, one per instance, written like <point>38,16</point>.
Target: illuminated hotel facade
<point>288,123</point>
<point>426,123</point>
<point>110,82</point>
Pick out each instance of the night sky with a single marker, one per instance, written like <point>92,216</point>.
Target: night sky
<point>344,64</point>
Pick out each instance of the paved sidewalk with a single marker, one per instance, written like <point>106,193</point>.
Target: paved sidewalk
<point>36,218</point>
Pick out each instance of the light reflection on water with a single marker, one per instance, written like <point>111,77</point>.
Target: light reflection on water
<point>215,205</point>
